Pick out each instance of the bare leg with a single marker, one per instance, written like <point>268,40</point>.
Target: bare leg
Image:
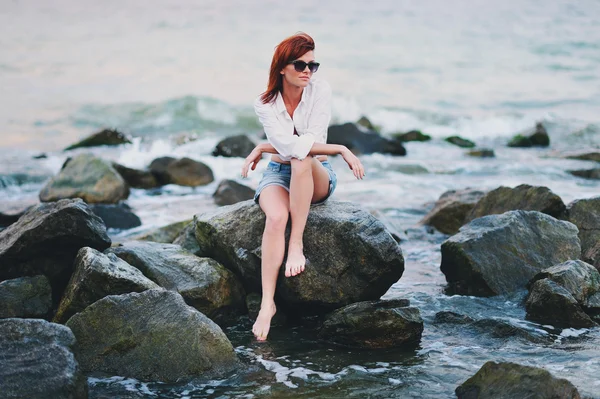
<point>274,201</point>
<point>309,183</point>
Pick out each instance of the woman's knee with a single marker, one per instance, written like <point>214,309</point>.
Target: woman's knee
<point>276,221</point>
<point>303,166</point>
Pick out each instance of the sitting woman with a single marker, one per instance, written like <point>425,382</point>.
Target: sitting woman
<point>295,112</point>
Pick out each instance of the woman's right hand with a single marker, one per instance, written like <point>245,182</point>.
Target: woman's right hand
<point>252,159</point>
<point>353,163</point>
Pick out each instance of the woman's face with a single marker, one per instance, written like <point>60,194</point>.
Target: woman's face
<point>299,79</point>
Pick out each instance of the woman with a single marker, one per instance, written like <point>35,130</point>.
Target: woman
<point>295,112</point>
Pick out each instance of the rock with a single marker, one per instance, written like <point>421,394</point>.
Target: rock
<point>586,156</point>
<point>482,153</point>
<point>459,141</point>
<point>446,317</point>
<point>511,380</point>
<point>136,178</point>
<point>523,197</point>
<point>166,234</point>
<point>593,174</point>
<point>413,135</point>
<point>360,142</point>
<point>539,138</point>
<point>451,209</point>
<point>187,239</point>
<point>501,329</point>
<point>97,275</point>
<point>183,172</point>
<point>374,325</point>
<point>104,137</point>
<point>89,178</point>
<point>116,216</point>
<point>231,192</point>
<point>37,362</point>
<point>151,336</point>
<point>592,256</point>
<point>40,156</point>
<point>499,254</point>
<point>352,257</point>
<point>585,214</point>
<point>234,146</point>
<point>26,297</point>
<point>203,282</point>
<point>366,123</point>
<point>46,239</point>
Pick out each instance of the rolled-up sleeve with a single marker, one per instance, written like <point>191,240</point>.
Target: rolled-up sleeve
<point>285,142</point>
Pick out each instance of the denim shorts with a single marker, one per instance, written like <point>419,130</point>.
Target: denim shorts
<point>280,174</point>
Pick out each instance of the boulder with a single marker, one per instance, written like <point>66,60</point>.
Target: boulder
<point>151,336</point>
<point>536,137</point>
<point>447,317</point>
<point>593,174</point>
<point>166,234</point>
<point>592,256</point>
<point>203,282</point>
<point>351,256</point>
<point>46,239</point>
<point>97,275</point>
<point>25,297</point>
<point>231,192</point>
<point>136,178</point>
<point>89,178</point>
<point>451,209</point>
<point>361,142</point>
<point>561,295</point>
<point>460,142</point>
<point>523,197</point>
<point>585,214</point>
<point>234,146</point>
<point>499,254</point>
<point>482,153</point>
<point>374,325</point>
<point>37,361</point>
<point>187,239</point>
<point>586,156</point>
<point>183,172</point>
<point>366,123</point>
<point>510,380</point>
<point>413,135</point>
<point>104,137</point>
<point>116,216</point>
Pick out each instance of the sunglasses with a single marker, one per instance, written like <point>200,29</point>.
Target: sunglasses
<point>300,66</point>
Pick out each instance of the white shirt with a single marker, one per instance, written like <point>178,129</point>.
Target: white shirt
<point>311,120</point>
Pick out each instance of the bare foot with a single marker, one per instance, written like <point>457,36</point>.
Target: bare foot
<point>262,325</point>
<point>295,259</point>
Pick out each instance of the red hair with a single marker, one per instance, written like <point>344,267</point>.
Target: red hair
<point>287,51</point>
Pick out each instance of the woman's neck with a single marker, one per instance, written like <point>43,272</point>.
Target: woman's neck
<point>291,94</point>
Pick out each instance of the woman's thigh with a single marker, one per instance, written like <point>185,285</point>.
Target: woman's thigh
<point>321,181</point>
<point>275,201</point>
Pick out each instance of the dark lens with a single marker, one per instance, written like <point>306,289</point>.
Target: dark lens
<point>299,66</point>
<point>313,66</point>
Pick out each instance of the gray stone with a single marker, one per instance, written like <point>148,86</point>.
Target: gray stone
<point>460,142</point>
<point>116,216</point>
<point>183,172</point>
<point>166,234</point>
<point>361,142</point>
<point>537,137</point>
<point>187,239</point>
<point>136,178</point>
<point>585,214</point>
<point>451,209</point>
<point>234,146</point>
<point>104,137</point>
<point>26,297</point>
<point>230,192</point>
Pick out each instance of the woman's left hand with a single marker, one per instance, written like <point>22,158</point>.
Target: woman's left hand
<point>251,161</point>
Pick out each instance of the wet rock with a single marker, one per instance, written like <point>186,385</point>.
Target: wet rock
<point>25,297</point>
<point>413,135</point>
<point>451,209</point>
<point>374,325</point>
<point>511,380</point>
<point>234,146</point>
<point>231,192</point>
<point>593,174</point>
<point>97,275</point>
<point>183,172</point>
<point>523,197</point>
<point>46,239</point>
<point>136,178</point>
<point>502,329</point>
<point>459,141</point>
<point>585,214</point>
<point>538,137</point>
<point>482,153</point>
<point>351,255</point>
<point>592,256</point>
<point>166,234</point>
<point>187,240</point>
<point>37,362</point>
<point>366,123</point>
<point>203,282</point>
<point>87,177</point>
<point>116,216</point>
<point>499,254</point>
<point>446,317</point>
<point>586,156</point>
<point>151,336</point>
<point>104,137</point>
<point>361,142</point>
